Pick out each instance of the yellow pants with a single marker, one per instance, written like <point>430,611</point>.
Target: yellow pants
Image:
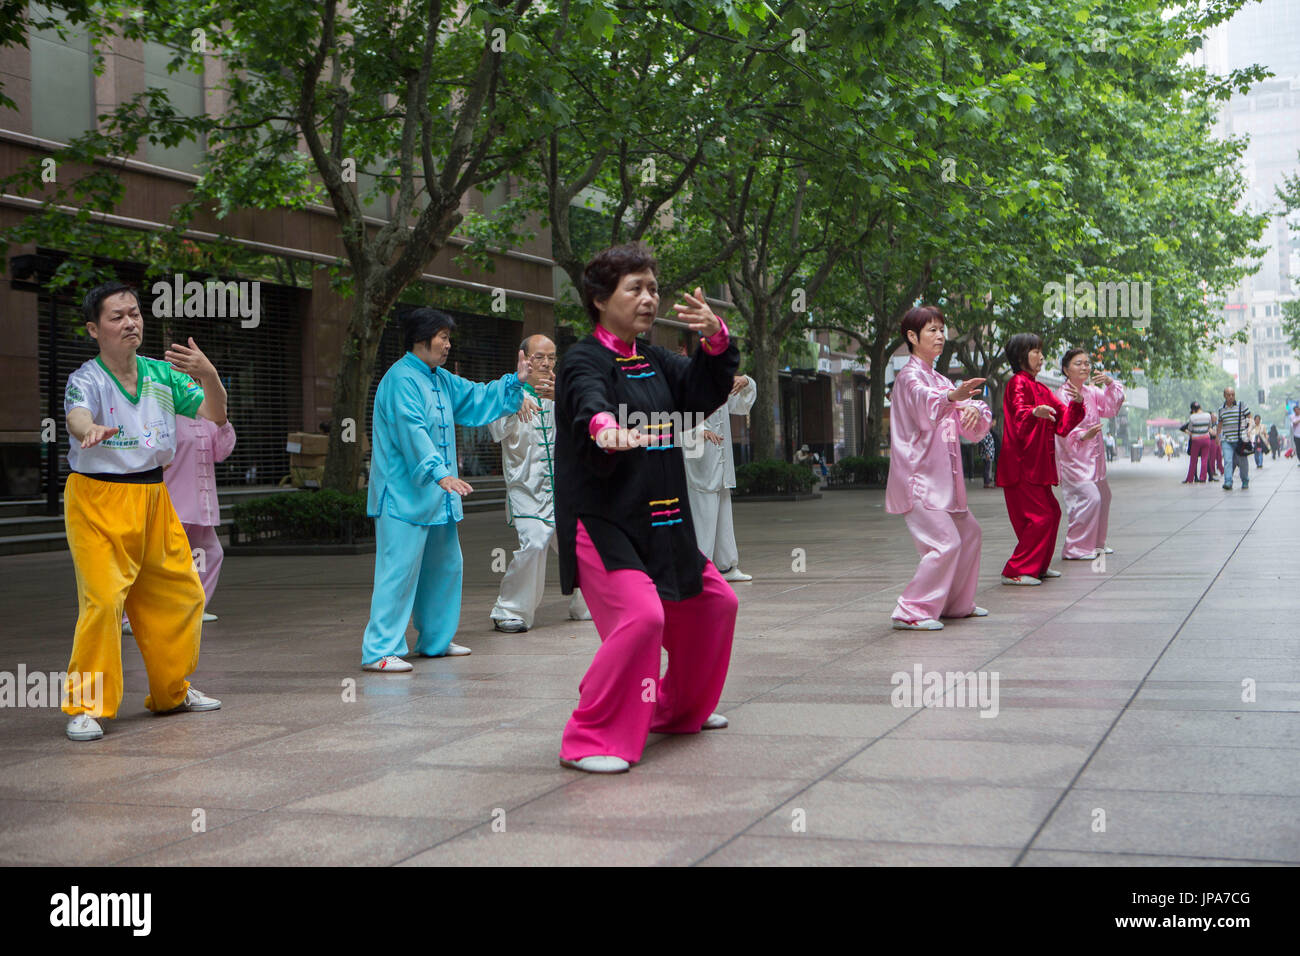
<point>130,552</point>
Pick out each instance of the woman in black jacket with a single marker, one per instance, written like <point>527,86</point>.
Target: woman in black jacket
<point>623,516</point>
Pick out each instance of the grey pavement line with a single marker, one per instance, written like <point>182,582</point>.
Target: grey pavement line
<point>1171,856</point>
<point>1023,637</point>
<point>1142,683</point>
<point>842,841</point>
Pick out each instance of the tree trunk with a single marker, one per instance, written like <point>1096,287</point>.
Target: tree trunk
<point>995,405</point>
<point>351,388</point>
<point>765,353</point>
<point>875,425</point>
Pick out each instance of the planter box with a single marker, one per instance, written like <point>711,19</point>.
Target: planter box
<point>285,549</point>
<point>354,536</point>
<point>801,497</point>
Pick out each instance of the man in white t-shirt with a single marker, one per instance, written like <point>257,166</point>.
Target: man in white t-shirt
<point>128,547</point>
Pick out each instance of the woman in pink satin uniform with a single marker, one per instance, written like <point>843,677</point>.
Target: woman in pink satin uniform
<point>928,416</point>
<point>1081,458</point>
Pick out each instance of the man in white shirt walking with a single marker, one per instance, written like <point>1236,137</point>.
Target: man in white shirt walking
<point>1234,424</point>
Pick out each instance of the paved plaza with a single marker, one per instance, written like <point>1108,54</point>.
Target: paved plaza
<point>1145,712</point>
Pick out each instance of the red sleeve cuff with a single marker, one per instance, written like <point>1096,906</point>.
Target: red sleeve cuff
<point>717,343</point>
<point>601,421</point>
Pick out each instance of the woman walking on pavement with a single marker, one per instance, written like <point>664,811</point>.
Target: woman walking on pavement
<point>1198,426</point>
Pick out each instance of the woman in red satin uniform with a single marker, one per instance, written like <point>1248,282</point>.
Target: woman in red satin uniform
<point>1031,418</point>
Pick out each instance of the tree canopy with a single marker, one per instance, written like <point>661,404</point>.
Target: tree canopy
<point>1026,165</point>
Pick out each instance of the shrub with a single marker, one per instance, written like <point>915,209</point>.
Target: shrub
<point>774,477</point>
<point>860,470</point>
<point>324,516</point>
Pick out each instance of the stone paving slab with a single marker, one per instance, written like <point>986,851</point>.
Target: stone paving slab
<point>1142,689</point>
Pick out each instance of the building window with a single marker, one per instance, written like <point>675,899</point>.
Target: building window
<point>185,93</point>
<point>63,102</point>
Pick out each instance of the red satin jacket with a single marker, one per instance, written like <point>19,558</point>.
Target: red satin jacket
<point>1028,443</point>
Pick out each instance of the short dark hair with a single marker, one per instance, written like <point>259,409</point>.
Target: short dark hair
<point>1196,407</point>
<point>603,273</point>
<point>1069,357</point>
<point>1019,347</point>
<point>90,305</point>
<point>917,319</point>
<point>422,324</point>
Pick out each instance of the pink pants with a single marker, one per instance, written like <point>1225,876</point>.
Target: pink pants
<point>622,698</point>
<point>945,580</point>
<point>209,567</point>
<point>1088,507</point>
<point>1200,449</point>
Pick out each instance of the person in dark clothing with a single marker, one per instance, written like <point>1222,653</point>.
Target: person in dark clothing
<point>991,443</point>
<point>623,516</point>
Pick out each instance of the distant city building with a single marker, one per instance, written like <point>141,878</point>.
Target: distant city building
<point>1266,33</point>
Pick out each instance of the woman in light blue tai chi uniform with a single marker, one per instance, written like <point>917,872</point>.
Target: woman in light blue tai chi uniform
<point>415,492</point>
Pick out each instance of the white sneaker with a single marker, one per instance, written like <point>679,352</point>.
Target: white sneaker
<point>511,625</point>
<point>208,617</point>
<point>979,612</point>
<point>715,722</point>
<point>735,574</point>
<point>1083,557</point>
<point>197,701</point>
<point>391,664</point>
<point>84,727</point>
<point>1107,550</point>
<point>457,650</point>
<point>1024,580</point>
<point>1051,573</point>
<point>929,624</point>
<point>583,615</point>
<point>601,764</point>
